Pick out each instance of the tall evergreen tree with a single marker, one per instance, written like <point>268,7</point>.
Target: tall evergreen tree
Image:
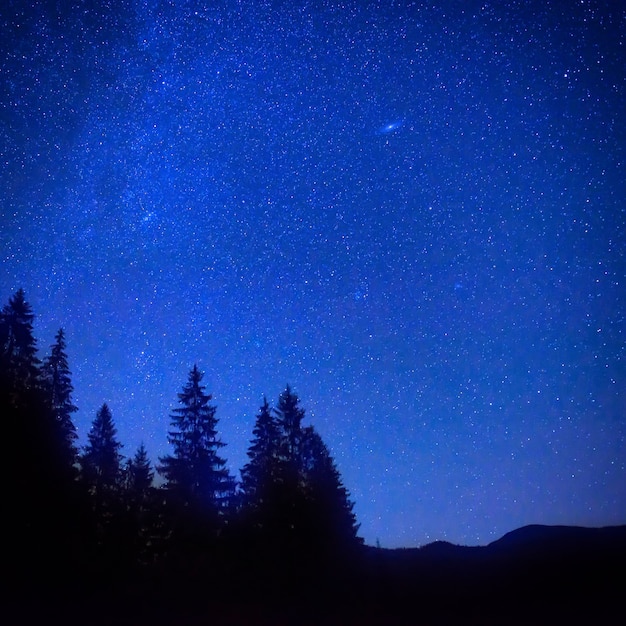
<point>332,519</point>
<point>287,499</point>
<point>289,415</point>
<point>101,461</point>
<point>258,475</point>
<point>42,510</point>
<point>306,503</point>
<point>58,388</point>
<point>26,421</point>
<point>18,347</point>
<point>195,474</point>
<point>142,531</point>
<point>31,464</point>
<point>139,475</point>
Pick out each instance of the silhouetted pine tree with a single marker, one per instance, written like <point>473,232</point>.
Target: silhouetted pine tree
<point>42,511</point>
<point>26,423</point>
<point>283,517</point>
<point>332,521</point>
<point>289,415</point>
<point>142,516</point>
<point>101,461</point>
<point>58,389</point>
<point>258,475</point>
<point>18,348</point>
<point>307,505</point>
<point>196,476</point>
<point>139,475</point>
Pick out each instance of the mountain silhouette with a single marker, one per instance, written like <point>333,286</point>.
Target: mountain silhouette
<point>533,575</point>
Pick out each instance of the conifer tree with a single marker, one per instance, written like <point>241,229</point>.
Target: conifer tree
<point>142,531</point>
<point>287,495</point>
<point>26,423</point>
<point>261,470</point>
<point>195,473</point>
<point>307,503</point>
<point>139,474</point>
<point>289,415</point>
<point>332,519</point>
<point>58,388</point>
<point>18,347</point>
<point>101,459</point>
<point>41,514</point>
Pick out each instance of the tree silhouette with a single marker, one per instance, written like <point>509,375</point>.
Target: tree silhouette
<point>289,418</point>
<point>18,348</point>
<point>196,476</point>
<point>113,520</point>
<point>101,460</point>
<point>58,389</point>
<point>291,484</point>
<point>331,521</point>
<point>26,418</point>
<point>139,475</point>
<point>261,470</point>
<point>286,510</point>
<point>142,531</point>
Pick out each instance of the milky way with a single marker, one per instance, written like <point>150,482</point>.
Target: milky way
<point>412,214</point>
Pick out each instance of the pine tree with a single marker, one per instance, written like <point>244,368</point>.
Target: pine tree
<point>289,415</point>
<point>58,388</point>
<point>42,511</point>
<point>195,474</point>
<point>332,520</point>
<point>307,505</point>
<point>26,420</point>
<point>261,470</point>
<point>139,475</point>
<point>101,459</point>
<point>18,347</point>
<point>141,532</point>
<point>31,463</point>
<point>287,506</point>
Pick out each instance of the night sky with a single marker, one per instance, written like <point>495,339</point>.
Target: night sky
<point>414,213</point>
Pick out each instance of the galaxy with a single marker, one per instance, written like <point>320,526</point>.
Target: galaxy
<point>389,128</point>
<point>411,212</point>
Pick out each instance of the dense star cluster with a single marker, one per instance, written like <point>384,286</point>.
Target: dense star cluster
<point>413,213</point>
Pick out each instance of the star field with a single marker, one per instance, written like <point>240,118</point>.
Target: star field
<point>411,212</point>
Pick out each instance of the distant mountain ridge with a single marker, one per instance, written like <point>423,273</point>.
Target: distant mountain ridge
<point>530,534</point>
<point>535,574</point>
<point>543,534</point>
<point>532,576</point>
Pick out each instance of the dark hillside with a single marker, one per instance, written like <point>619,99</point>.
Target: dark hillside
<point>536,575</point>
<point>533,575</point>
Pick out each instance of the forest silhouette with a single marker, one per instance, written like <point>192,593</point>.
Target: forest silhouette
<point>90,538</point>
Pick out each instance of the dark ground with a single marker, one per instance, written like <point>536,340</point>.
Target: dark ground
<point>533,576</point>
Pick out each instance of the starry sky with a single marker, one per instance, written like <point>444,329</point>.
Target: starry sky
<point>412,212</point>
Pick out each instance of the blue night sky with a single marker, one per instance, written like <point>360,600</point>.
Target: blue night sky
<point>414,213</point>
